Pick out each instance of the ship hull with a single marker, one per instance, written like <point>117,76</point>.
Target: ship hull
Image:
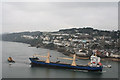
<point>66,66</point>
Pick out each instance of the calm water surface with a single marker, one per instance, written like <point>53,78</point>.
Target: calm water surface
<point>22,68</point>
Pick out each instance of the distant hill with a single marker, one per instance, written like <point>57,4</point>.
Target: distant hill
<point>90,31</point>
<point>16,37</point>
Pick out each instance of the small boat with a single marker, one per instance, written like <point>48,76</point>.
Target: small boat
<point>93,65</point>
<point>11,60</point>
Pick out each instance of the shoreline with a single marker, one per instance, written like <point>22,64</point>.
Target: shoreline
<point>102,59</point>
<point>71,54</point>
<point>81,57</point>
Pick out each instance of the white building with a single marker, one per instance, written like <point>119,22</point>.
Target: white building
<point>28,37</point>
<point>46,42</point>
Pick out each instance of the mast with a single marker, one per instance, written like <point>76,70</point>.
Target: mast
<point>48,58</point>
<point>74,63</point>
<point>73,59</point>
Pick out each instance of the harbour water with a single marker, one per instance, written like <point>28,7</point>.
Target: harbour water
<point>20,52</point>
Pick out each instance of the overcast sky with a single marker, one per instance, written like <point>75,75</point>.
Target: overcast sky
<point>53,16</point>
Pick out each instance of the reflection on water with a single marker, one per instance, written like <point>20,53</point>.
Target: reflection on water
<point>22,68</point>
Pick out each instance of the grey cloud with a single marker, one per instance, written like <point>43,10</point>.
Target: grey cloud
<point>52,16</point>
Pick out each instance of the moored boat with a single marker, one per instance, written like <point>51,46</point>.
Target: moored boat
<point>93,65</point>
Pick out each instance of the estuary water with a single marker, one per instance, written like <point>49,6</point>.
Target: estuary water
<point>20,52</point>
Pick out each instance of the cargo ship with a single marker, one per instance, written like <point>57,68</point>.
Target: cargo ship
<point>93,65</point>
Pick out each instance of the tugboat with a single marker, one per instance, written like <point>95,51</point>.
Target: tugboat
<point>10,60</point>
<point>93,65</point>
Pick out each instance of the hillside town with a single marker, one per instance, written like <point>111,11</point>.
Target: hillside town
<point>72,41</point>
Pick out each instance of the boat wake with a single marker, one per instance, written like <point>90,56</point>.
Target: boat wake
<point>20,62</point>
<point>81,70</point>
<point>88,71</point>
